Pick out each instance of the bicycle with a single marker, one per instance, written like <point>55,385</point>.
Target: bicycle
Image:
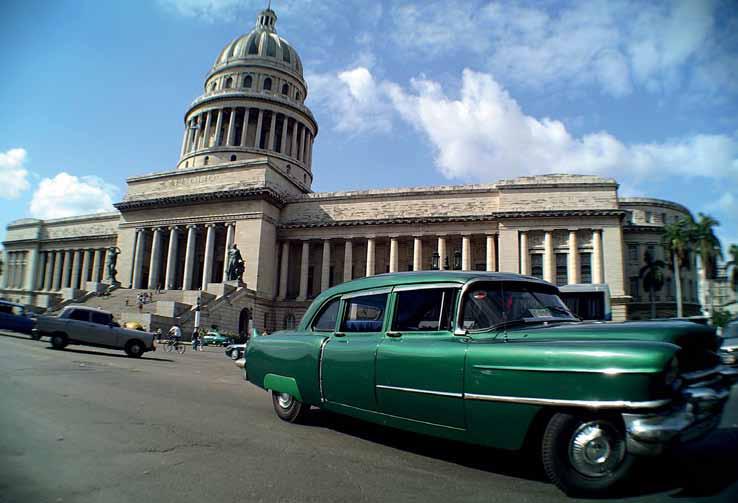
<point>175,345</point>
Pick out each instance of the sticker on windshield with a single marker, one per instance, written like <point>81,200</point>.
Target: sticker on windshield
<point>479,295</point>
<point>540,313</point>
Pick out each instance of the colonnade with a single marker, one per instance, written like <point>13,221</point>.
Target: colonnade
<point>16,264</point>
<point>441,258</point>
<point>249,127</point>
<point>69,268</point>
<point>165,269</point>
<point>578,263</point>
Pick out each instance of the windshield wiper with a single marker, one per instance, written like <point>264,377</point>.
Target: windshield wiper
<point>515,323</point>
<point>563,310</point>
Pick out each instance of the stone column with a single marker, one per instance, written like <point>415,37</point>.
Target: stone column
<point>155,262</point>
<point>49,272</point>
<point>184,141</point>
<point>40,272</point>
<point>572,266</point>
<point>348,260</point>
<point>293,148</point>
<point>325,270</point>
<point>285,124</point>
<point>304,264</point>
<point>394,255</point>
<point>597,262</point>
<point>218,126</point>
<point>283,270</point>
<point>272,130</point>
<point>189,257</point>
<point>442,253</point>
<point>138,258</point>
<point>301,150</point>
<point>171,273</point>
<point>310,150</point>
<point>96,262</point>
<point>465,253</point>
<point>245,128</point>
<point>370,249</point>
<point>491,253</point>
<point>259,122</point>
<point>205,141</point>
<point>76,266</point>
<point>230,140</point>
<point>207,267</point>
<point>417,254</point>
<point>86,258</point>
<point>58,269</point>
<point>524,254</point>
<point>549,260</point>
<point>230,231</point>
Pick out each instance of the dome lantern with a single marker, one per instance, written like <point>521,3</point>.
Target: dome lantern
<point>266,20</point>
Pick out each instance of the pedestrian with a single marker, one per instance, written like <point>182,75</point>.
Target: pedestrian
<point>195,340</point>
<point>158,335</point>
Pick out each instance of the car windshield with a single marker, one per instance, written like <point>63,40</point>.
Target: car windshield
<point>488,305</point>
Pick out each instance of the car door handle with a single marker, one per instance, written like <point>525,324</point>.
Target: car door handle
<point>394,334</point>
<point>339,334</point>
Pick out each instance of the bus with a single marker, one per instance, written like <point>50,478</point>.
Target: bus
<point>589,302</point>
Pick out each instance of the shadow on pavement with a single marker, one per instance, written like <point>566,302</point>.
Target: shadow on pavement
<point>112,355</point>
<point>700,469</point>
<point>17,335</point>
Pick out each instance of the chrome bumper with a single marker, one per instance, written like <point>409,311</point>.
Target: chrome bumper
<point>694,415</point>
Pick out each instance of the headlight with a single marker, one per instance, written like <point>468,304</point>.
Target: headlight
<point>672,372</point>
<point>728,358</point>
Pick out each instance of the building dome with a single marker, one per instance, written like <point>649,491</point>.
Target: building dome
<point>262,44</point>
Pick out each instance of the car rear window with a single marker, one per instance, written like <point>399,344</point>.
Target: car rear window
<point>79,314</point>
<point>364,313</point>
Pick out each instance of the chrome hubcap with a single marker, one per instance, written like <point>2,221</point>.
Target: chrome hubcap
<point>285,400</point>
<point>596,449</point>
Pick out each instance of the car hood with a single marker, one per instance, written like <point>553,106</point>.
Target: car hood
<point>698,343</point>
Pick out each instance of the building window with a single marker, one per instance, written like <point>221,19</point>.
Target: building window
<point>247,81</point>
<point>297,95</point>
<point>206,160</point>
<point>289,169</point>
<point>229,83</point>
<point>253,46</point>
<point>663,218</point>
<point>213,86</point>
<point>285,54</point>
<point>585,267</point>
<point>536,265</point>
<point>561,269</point>
<point>271,47</point>
<point>634,288</point>
<point>267,84</point>
<point>285,89</point>
<point>649,217</point>
<point>233,157</point>
<point>633,253</point>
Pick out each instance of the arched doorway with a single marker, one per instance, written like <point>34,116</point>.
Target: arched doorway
<point>244,319</point>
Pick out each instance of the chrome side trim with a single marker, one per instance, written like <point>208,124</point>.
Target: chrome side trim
<point>362,293</point>
<point>320,367</point>
<point>426,286</point>
<point>589,404</point>
<point>607,371</point>
<point>421,391</point>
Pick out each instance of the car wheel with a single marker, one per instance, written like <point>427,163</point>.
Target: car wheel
<point>585,455</point>
<point>134,349</point>
<point>288,408</point>
<point>36,337</point>
<point>235,355</point>
<point>58,341</point>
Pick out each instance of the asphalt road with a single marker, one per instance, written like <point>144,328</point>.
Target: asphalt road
<point>85,425</point>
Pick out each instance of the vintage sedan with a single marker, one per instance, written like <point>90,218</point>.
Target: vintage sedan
<point>498,360</point>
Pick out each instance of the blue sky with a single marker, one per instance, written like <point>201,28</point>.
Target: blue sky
<point>405,93</point>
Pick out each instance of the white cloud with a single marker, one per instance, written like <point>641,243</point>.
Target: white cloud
<point>12,173</point>
<point>210,10</point>
<point>727,203</point>
<point>613,44</point>
<point>485,135</point>
<point>356,101</point>
<point>66,195</point>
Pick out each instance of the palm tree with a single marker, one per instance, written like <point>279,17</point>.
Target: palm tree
<point>652,275</point>
<point>733,252</point>
<point>677,238</point>
<point>708,248</point>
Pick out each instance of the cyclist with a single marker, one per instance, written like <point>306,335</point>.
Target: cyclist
<point>175,335</point>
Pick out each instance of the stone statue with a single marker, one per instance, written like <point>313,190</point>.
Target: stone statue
<point>110,261</point>
<point>236,264</point>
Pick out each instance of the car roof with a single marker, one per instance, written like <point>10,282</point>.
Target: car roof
<point>419,277</point>
<point>87,308</point>
<point>8,303</point>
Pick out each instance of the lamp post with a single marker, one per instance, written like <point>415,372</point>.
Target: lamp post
<point>457,260</point>
<point>196,330</point>
<point>434,263</point>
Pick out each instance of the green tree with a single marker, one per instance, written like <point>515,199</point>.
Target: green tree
<point>652,275</point>
<point>720,318</point>
<point>677,239</point>
<point>707,246</point>
<point>733,262</point>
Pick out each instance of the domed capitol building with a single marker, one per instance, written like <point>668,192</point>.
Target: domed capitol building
<point>244,176</point>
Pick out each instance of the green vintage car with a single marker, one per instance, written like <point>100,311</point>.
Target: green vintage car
<point>498,360</point>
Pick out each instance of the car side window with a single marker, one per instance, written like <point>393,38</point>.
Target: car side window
<point>326,320</point>
<point>427,310</point>
<point>4,308</point>
<point>100,318</point>
<point>364,313</point>
<point>80,315</point>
